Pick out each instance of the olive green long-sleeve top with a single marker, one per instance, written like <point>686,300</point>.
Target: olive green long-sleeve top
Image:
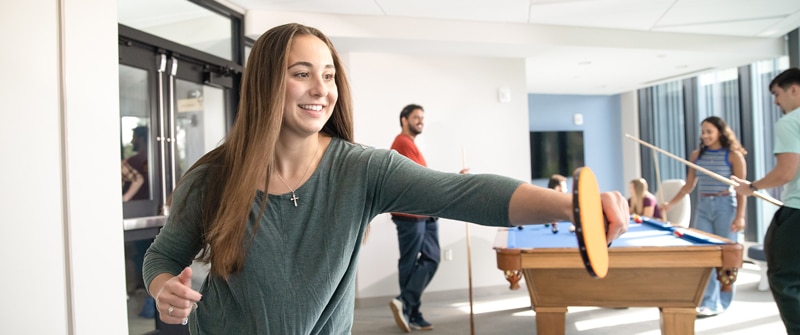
<point>299,272</point>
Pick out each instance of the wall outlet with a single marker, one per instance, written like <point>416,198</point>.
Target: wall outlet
<point>448,254</point>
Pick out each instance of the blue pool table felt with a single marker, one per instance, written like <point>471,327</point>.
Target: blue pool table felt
<point>648,233</point>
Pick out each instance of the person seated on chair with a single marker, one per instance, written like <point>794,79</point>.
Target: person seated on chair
<point>642,202</point>
<point>558,183</point>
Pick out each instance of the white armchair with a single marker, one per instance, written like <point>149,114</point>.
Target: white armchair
<point>680,214</point>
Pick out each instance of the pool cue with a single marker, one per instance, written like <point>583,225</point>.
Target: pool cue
<point>769,199</point>
<point>660,189</point>
<point>469,257</point>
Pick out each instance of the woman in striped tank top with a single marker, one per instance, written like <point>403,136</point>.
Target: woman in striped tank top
<point>719,209</point>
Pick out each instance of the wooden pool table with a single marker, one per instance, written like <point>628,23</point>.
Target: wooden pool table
<point>649,266</point>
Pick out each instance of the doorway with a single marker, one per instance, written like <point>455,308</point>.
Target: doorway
<point>174,108</point>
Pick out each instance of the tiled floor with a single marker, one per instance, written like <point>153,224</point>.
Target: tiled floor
<point>508,312</point>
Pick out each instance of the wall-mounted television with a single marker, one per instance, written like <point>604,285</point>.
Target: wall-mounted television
<point>555,152</point>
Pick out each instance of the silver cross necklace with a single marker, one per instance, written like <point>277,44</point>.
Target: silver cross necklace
<point>294,197</point>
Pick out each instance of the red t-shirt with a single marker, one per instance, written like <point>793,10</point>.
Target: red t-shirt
<point>405,146</point>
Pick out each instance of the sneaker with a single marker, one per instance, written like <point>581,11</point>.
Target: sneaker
<point>418,323</point>
<point>397,310</point>
<point>705,312</point>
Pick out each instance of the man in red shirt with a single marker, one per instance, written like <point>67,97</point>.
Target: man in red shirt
<point>418,236</point>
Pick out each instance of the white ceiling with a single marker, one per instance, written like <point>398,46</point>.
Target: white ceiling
<point>570,46</point>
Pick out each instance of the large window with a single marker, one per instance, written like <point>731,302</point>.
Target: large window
<point>718,95</point>
<point>662,123</point>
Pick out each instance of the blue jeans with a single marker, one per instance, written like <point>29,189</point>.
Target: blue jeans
<point>419,258</point>
<point>715,215</point>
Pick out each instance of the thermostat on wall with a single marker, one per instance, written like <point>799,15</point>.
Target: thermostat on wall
<point>577,119</point>
<point>504,95</point>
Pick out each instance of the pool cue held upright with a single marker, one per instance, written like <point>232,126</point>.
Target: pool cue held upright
<point>711,174</point>
<point>469,258</point>
<point>660,191</point>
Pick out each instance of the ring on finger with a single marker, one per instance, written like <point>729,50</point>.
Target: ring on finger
<point>185,321</point>
<point>170,310</point>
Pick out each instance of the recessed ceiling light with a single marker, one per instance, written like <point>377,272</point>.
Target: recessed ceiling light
<point>683,66</point>
<point>586,62</point>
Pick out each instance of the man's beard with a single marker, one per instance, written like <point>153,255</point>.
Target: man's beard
<point>414,130</point>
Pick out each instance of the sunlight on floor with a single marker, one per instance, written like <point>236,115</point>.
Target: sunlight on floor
<point>494,306</point>
<point>633,315</point>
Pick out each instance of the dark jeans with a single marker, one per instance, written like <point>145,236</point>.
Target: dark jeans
<point>419,258</point>
<point>783,265</point>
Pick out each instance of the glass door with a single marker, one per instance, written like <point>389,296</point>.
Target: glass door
<point>173,109</point>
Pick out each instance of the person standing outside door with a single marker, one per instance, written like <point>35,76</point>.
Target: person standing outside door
<point>140,164</point>
<point>139,161</point>
<point>417,236</point>
<point>780,242</point>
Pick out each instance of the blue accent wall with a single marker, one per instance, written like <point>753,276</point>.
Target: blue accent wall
<point>602,131</point>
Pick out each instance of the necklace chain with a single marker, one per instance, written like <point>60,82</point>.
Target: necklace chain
<point>294,197</point>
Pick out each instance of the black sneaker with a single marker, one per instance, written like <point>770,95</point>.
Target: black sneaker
<point>399,317</point>
<point>418,323</point>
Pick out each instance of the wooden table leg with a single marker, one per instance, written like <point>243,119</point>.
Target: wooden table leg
<point>550,320</point>
<point>678,320</point>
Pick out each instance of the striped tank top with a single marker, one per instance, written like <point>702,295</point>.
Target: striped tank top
<point>716,161</point>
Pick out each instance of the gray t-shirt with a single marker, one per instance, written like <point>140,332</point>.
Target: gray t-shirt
<point>300,270</point>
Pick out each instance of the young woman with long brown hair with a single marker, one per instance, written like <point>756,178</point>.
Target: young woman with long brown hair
<point>719,210</point>
<point>279,210</point>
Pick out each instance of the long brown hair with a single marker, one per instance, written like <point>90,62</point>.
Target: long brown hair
<point>235,168</point>
<point>727,138</point>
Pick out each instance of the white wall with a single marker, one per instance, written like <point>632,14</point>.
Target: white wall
<point>462,112</point>
<point>61,249</point>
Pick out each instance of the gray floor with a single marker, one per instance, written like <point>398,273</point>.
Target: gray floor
<point>138,325</point>
<point>500,311</point>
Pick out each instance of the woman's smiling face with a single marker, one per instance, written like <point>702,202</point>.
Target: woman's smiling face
<point>710,135</point>
<point>311,91</point>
